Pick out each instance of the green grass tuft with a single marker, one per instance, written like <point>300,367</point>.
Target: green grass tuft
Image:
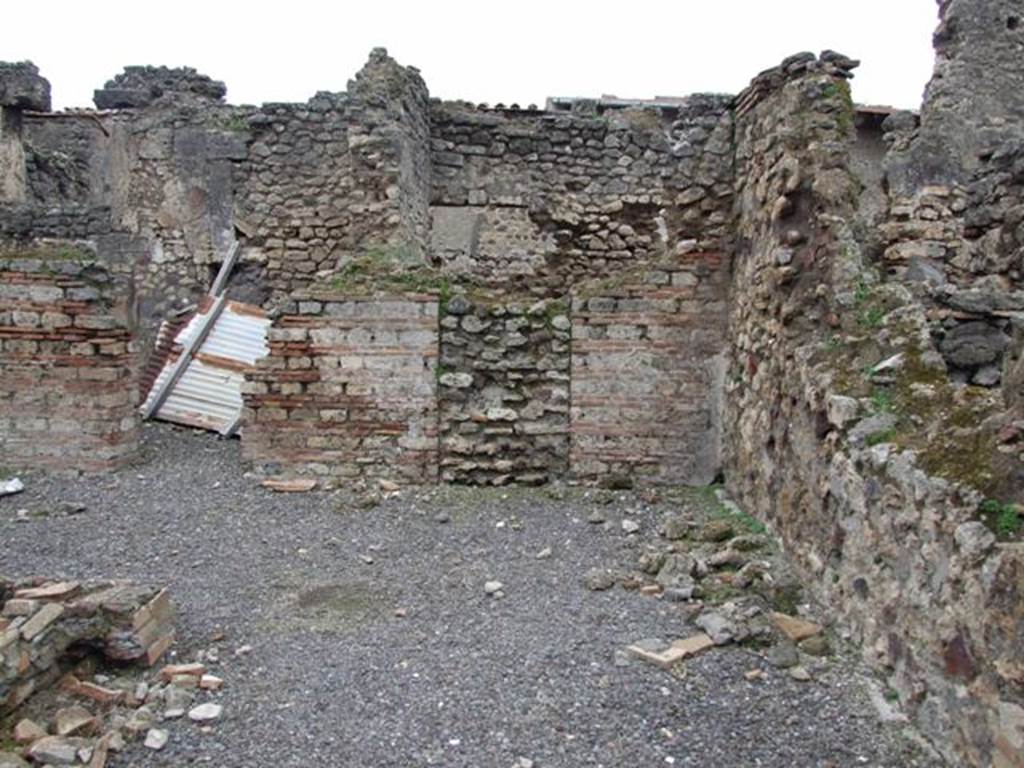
<point>1003,519</point>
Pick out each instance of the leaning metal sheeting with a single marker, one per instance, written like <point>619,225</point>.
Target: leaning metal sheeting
<point>208,394</point>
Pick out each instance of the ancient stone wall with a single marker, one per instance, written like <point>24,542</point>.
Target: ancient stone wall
<point>338,177</point>
<point>647,364</point>
<point>846,434</point>
<point>161,175</point>
<point>954,232</point>
<point>537,199</point>
<point>349,390</point>
<point>67,388</point>
<point>504,390</point>
<point>618,292</point>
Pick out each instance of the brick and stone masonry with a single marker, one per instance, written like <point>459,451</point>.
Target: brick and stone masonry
<point>822,303</point>
<point>349,390</point>
<point>504,390</point>
<point>67,383</point>
<point>646,358</point>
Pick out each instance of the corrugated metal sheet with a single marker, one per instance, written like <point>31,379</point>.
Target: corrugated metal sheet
<point>209,392</point>
<point>238,334</point>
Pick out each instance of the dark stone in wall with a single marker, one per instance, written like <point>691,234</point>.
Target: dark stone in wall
<point>138,87</point>
<point>22,87</point>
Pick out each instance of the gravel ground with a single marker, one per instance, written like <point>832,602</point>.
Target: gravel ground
<point>336,678</point>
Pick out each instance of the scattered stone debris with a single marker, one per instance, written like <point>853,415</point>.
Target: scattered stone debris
<point>783,655</point>
<point>27,731</point>
<point>667,657</point>
<point>720,629</point>
<point>11,760</point>
<point>800,674</point>
<point>156,739</point>
<point>78,735</point>
<point>205,712</point>
<point>292,485</point>
<point>599,579</point>
<point>728,580</point>
<point>40,620</point>
<point>57,750</point>
<point>794,628</point>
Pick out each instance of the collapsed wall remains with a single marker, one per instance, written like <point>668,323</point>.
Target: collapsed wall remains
<point>818,303</point>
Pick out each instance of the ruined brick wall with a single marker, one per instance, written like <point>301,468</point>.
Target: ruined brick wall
<point>541,199</point>
<point>845,432</point>
<point>160,174</point>
<point>349,390</point>
<point>67,388</point>
<point>647,363</point>
<point>68,362</point>
<point>504,390</point>
<point>43,621</point>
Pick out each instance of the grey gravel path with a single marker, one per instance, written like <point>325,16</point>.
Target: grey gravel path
<point>335,678</point>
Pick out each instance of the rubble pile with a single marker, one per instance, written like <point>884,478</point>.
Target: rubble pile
<point>42,620</point>
<point>729,579</point>
<point>53,635</point>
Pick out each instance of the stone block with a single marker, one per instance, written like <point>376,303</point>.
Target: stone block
<point>39,622</point>
<point>22,87</point>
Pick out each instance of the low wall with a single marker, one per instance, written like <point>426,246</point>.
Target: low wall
<point>349,390</point>
<point>68,389</point>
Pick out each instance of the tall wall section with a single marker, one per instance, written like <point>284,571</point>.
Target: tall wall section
<point>850,434</point>
<point>341,177</point>
<point>161,181</point>
<point>647,367</point>
<point>528,209</point>
<point>68,361</point>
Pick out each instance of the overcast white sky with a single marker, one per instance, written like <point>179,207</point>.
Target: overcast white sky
<point>514,51</point>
